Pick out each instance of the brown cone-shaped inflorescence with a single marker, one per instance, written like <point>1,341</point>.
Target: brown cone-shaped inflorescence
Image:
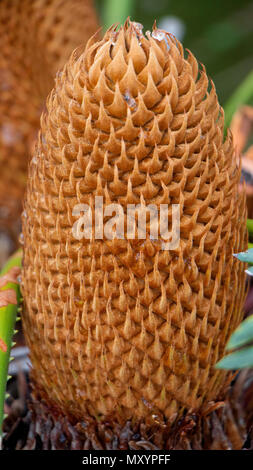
<point>37,37</point>
<point>124,328</point>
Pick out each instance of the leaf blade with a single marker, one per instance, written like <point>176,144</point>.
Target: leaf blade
<point>237,360</point>
<point>8,313</point>
<point>242,335</point>
<point>245,256</point>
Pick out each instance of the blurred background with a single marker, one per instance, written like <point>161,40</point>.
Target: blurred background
<point>218,32</point>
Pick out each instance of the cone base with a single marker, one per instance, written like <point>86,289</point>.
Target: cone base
<point>222,425</point>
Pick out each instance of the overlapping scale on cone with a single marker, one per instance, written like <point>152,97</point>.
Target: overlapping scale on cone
<point>37,37</point>
<point>123,328</point>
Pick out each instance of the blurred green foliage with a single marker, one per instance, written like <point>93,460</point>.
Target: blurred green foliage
<point>218,32</point>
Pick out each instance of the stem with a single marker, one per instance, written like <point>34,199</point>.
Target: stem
<point>242,95</point>
<point>117,11</point>
<point>8,316</point>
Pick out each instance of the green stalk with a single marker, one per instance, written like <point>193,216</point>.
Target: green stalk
<point>117,11</point>
<point>242,95</point>
<point>8,315</point>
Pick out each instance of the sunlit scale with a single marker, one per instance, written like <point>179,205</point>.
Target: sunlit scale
<point>123,328</point>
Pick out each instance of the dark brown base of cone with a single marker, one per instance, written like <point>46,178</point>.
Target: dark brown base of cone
<point>221,426</point>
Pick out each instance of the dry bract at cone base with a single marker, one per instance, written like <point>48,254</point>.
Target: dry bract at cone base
<point>37,37</point>
<point>123,328</point>
<point>219,426</point>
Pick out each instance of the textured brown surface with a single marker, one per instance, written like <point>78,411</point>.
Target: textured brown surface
<point>122,326</point>
<point>223,425</point>
<point>37,37</point>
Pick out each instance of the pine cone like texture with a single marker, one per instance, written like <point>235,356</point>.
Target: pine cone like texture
<point>37,37</point>
<point>225,425</point>
<point>122,327</point>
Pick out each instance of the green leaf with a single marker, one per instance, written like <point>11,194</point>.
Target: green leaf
<point>7,324</point>
<point>249,271</point>
<point>237,360</point>
<point>242,335</point>
<point>14,260</point>
<point>245,256</point>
